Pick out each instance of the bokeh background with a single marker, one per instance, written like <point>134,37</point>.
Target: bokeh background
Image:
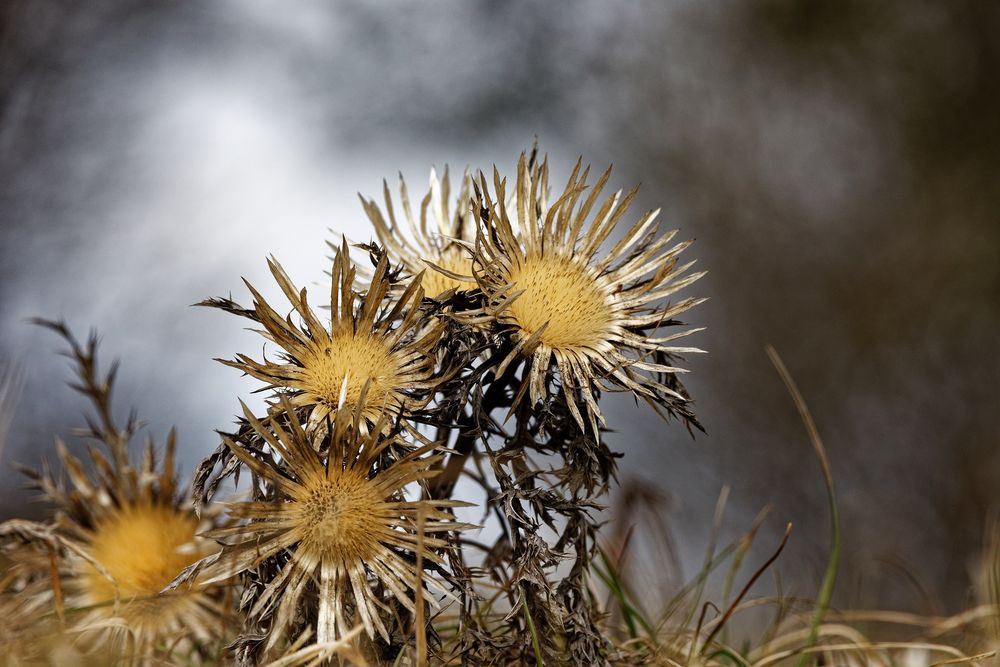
<point>837,161</point>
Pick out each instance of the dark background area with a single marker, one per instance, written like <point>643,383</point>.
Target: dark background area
<point>837,162</point>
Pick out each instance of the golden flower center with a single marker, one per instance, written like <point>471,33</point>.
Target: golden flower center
<point>359,358</point>
<point>453,259</point>
<point>561,293</point>
<point>339,517</point>
<point>142,548</point>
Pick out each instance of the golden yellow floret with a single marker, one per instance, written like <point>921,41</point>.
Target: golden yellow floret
<point>338,516</point>
<point>142,547</point>
<point>564,298</point>
<point>338,370</point>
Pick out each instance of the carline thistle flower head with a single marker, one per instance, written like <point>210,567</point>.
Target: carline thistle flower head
<point>565,300</point>
<point>340,516</point>
<point>371,341</point>
<point>122,532</point>
<point>427,246</point>
<point>126,534</point>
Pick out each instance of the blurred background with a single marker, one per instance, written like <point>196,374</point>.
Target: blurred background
<point>837,161</point>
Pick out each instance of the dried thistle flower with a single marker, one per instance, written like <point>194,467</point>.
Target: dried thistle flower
<point>123,531</point>
<point>384,344</point>
<point>545,277</point>
<point>337,516</point>
<point>126,552</point>
<point>429,248</point>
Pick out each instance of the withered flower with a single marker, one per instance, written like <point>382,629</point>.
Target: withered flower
<point>123,532</point>
<point>127,550</point>
<point>427,247</point>
<point>337,517</point>
<point>546,278</point>
<point>374,340</point>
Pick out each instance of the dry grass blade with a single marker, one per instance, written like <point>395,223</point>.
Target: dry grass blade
<point>991,575</point>
<point>317,654</point>
<point>710,555</point>
<point>746,589</point>
<point>11,381</point>
<point>972,659</point>
<point>872,647</point>
<point>418,593</point>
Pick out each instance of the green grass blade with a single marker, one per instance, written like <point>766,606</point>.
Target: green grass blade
<point>830,577</point>
<point>535,645</point>
<point>611,579</point>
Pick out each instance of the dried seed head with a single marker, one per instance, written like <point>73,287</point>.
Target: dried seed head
<point>546,277</point>
<point>430,238</point>
<point>373,340</point>
<point>342,519</point>
<point>125,534</point>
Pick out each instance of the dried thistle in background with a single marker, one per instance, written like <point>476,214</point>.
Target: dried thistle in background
<point>121,533</point>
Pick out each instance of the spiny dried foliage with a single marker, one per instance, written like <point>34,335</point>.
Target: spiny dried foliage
<point>120,533</point>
